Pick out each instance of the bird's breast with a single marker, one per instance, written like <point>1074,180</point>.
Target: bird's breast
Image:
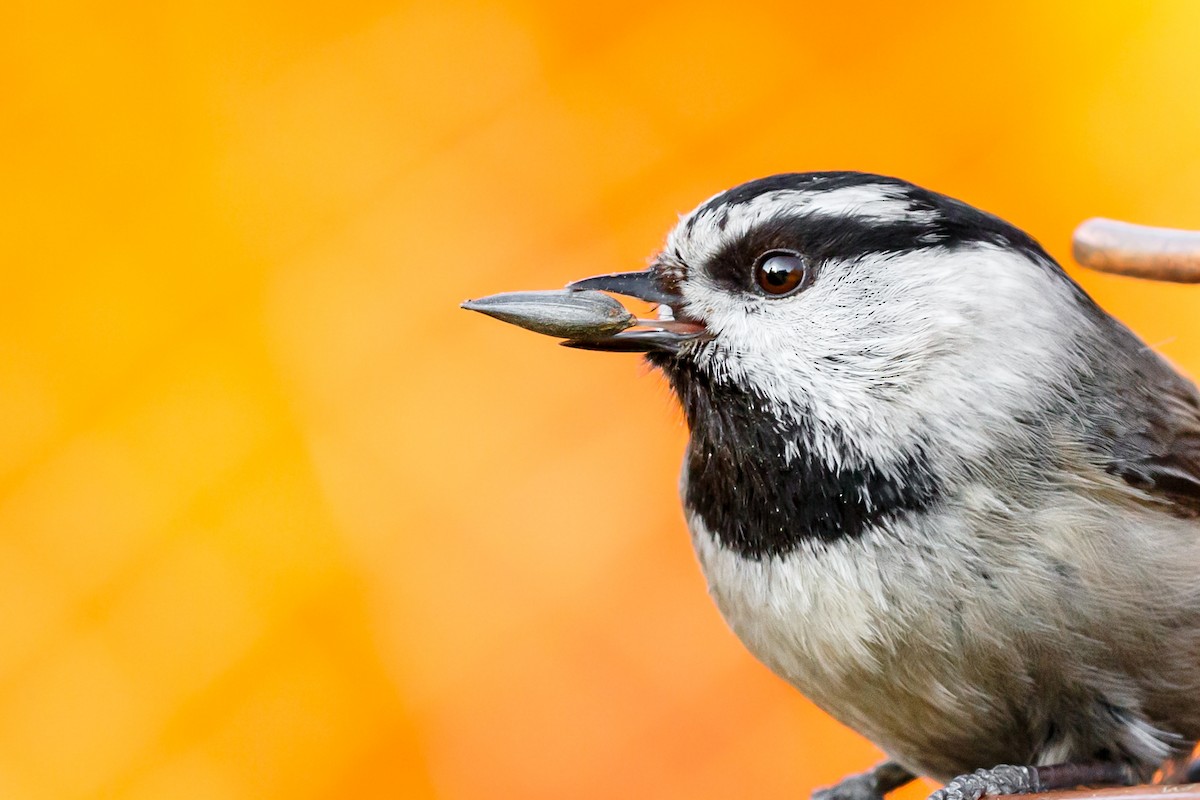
<point>867,641</point>
<point>812,615</point>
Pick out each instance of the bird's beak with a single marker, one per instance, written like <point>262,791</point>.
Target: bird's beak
<point>646,284</point>
<point>664,334</point>
<point>589,320</point>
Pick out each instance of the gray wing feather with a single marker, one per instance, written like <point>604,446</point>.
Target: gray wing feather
<point>1154,440</point>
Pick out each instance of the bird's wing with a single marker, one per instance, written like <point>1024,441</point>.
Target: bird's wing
<point>1160,451</point>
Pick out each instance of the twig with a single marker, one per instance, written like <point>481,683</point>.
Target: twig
<point>1122,248</point>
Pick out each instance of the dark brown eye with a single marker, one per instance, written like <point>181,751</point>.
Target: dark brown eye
<point>780,272</point>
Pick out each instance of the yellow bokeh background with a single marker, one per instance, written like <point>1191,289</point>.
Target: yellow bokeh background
<point>277,520</point>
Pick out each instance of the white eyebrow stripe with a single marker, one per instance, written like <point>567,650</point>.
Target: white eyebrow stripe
<point>701,234</point>
<point>866,201</point>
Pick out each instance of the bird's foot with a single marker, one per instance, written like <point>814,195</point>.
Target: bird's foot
<point>1004,779</point>
<point>871,785</point>
<point>1008,779</point>
<point>854,787</point>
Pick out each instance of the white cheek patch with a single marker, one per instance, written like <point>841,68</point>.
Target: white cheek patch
<point>872,347</point>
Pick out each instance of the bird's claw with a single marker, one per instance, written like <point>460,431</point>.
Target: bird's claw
<point>872,785</point>
<point>855,787</point>
<point>1001,780</point>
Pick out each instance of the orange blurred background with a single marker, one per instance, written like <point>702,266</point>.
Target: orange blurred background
<point>277,520</point>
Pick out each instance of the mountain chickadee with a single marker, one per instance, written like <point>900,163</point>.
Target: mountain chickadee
<point>930,482</point>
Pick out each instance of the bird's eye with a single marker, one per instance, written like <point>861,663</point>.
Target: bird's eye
<point>780,272</point>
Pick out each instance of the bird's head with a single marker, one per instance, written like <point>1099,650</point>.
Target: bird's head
<point>855,305</point>
<point>847,348</point>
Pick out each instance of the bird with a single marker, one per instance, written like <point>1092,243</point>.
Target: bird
<point>930,483</point>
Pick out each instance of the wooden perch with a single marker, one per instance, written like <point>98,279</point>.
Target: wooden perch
<point>1160,254</point>
<point>1187,791</point>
